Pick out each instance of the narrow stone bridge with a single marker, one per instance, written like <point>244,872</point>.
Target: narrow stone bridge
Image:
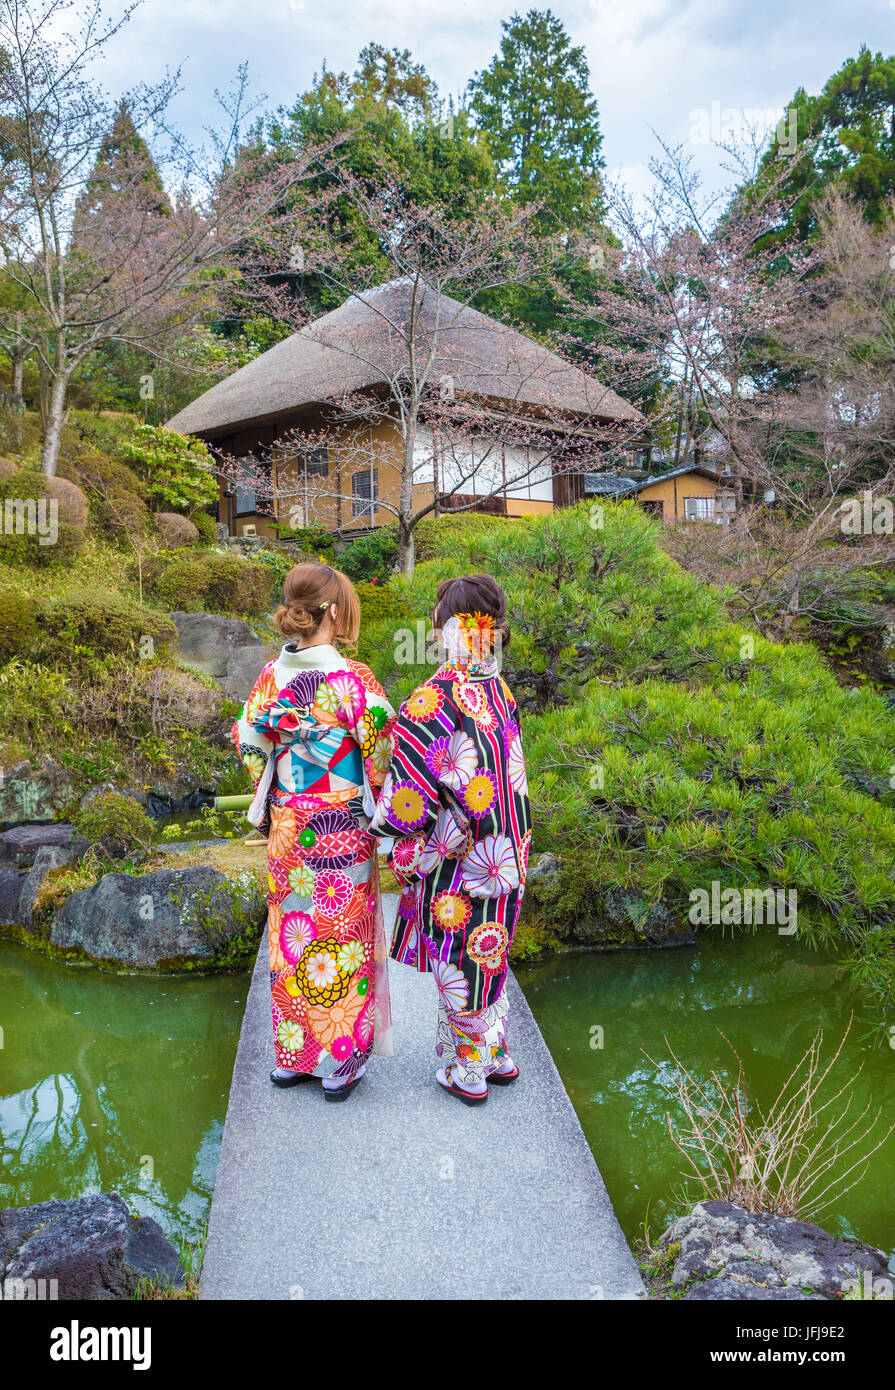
<point>402,1192</point>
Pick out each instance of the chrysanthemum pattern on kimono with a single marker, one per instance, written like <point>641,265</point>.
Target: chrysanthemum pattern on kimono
<point>328,732</point>
<point>456,798</point>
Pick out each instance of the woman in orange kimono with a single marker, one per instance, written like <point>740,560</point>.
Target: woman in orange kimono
<point>315,736</point>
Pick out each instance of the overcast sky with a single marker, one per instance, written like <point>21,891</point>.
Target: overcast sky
<point>653,63</point>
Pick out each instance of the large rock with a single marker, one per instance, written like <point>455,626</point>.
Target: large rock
<point>20,847</point>
<point>732,1290</point>
<point>170,915</point>
<point>33,794</point>
<point>754,1255</point>
<point>49,857</point>
<point>103,788</point>
<point>244,666</point>
<point>206,641</point>
<point>626,911</point>
<point>10,892</point>
<point>619,916</point>
<point>92,1247</point>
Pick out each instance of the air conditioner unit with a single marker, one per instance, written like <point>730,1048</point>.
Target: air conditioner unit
<point>249,529</point>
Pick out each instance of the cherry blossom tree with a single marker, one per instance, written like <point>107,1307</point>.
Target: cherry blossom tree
<point>101,261</point>
<point>692,304</point>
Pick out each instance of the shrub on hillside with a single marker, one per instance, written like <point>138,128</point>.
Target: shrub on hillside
<point>35,704</point>
<point>370,557</point>
<point>20,434</point>
<point>279,566</point>
<point>17,623</point>
<point>69,499</point>
<point>34,531</point>
<point>105,625</point>
<point>176,468</point>
<point>103,430</point>
<point>117,496</point>
<point>175,530</point>
<point>116,823</point>
<point>443,536</point>
<point>211,582</point>
<point>206,525</point>
<point>313,540</point>
<point>96,471</point>
<point>384,610</point>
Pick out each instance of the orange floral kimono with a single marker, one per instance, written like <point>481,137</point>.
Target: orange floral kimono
<point>315,734</point>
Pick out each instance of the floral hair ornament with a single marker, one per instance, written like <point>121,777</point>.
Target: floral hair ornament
<point>479,631</point>
<point>472,622</point>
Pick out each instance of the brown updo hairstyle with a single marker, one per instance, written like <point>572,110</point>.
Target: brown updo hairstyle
<point>309,590</point>
<point>473,593</point>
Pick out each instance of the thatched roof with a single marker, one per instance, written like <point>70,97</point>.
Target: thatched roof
<point>363,344</point>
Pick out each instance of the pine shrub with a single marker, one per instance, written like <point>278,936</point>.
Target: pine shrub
<point>670,748</point>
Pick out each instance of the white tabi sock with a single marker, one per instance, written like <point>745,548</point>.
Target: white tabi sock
<point>335,1083</point>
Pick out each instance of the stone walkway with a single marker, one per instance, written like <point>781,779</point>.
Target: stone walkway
<point>402,1192</point>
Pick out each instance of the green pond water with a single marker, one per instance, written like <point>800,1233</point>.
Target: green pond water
<point>120,1083</point>
<point>769,995</point>
<point>114,1083</point>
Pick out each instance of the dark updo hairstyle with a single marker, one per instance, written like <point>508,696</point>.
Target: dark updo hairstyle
<point>474,593</point>
<point>309,590</point>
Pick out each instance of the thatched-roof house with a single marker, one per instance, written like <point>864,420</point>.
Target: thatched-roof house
<point>317,380</point>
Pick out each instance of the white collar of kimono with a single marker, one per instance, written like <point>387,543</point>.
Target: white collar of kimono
<point>321,658</point>
<point>456,643</point>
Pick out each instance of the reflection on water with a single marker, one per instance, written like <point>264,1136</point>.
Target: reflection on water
<point>767,994</point>
<point>114,1084</point>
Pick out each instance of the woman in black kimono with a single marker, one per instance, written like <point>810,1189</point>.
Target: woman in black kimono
<point>456,800</point>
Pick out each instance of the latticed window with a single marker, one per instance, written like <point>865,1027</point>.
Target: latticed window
<point>699,508</point>
<point>365,492</point>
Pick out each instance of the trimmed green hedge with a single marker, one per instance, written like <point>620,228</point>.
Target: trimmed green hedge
<point>109,626</point>
<point>210,582</point>
<point>27,535</point>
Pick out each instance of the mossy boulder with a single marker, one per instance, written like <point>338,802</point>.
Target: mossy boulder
<point>87,1249</point>
<point>31,793</point>
<point>172,918</point>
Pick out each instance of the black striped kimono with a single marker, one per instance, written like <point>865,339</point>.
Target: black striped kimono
<point>456,799</point>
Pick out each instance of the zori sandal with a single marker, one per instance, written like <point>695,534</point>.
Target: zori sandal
<point>294,1080</point>
<point>503,1078</point>
<point>343,1092</point>
<point>467,1097</point>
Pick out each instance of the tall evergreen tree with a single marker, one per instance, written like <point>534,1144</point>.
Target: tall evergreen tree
<point>535,111</point>
<point>124,169</point>
<point>847,137</point>
<point>398,128</point>
<point>539,119</point>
